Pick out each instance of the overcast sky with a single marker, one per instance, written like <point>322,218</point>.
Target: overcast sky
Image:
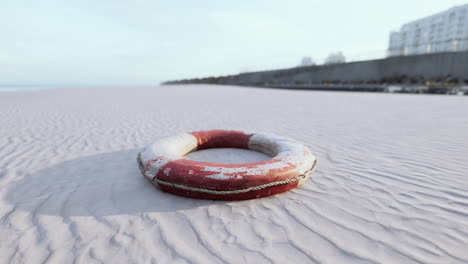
<point>138,42</point>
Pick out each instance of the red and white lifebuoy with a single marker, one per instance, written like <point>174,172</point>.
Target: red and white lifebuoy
<point>163,164</point>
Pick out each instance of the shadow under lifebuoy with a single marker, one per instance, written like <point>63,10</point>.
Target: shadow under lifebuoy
<point>98,185</point>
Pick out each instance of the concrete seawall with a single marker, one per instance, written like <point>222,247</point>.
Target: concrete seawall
<point>416,69</point>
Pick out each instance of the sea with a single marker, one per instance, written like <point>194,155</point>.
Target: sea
<point>24,88</point>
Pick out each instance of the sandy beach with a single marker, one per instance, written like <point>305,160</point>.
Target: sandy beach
<point>391,185</point>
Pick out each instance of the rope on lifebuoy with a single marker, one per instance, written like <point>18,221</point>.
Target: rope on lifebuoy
<point>203,190</point>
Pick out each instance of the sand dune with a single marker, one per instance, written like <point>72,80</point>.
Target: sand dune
<point>391,185</point>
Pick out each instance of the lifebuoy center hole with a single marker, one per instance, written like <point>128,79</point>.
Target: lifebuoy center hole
<point>227,155</point>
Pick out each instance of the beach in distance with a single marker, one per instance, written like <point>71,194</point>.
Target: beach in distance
<point>391,185</point>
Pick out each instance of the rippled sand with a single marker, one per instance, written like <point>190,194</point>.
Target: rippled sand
<point>391,184</point>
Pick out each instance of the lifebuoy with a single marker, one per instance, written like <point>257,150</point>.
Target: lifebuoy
<point>163,164</point>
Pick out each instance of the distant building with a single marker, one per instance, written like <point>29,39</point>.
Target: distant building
<point>307,61</point>
<point>441,32</point>
<point>335,58</point>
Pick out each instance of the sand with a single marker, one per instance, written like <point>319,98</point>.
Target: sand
<point>391,184</point>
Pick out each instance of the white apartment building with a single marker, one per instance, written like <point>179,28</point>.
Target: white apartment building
<point>442,32</point>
